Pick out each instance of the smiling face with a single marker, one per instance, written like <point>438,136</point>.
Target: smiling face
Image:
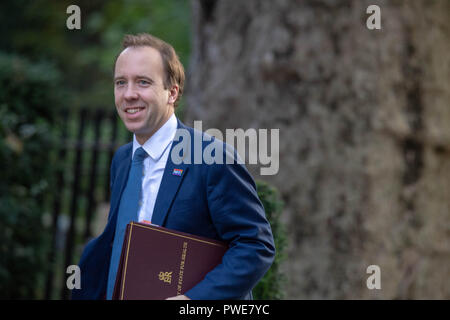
<point>142,102</point>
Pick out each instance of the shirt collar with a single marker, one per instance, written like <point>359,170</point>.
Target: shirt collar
<point>160,140</point>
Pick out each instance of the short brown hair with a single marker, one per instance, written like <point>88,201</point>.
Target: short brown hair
<point>172,66</point>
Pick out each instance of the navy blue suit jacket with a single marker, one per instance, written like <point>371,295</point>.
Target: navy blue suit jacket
<point>217,201</point>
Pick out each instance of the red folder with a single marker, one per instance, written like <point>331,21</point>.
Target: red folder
<point>157,263</point>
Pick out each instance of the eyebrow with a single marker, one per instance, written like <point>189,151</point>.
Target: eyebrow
<point>137,77</point>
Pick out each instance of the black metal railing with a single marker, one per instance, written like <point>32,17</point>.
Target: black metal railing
<point>87,142</point>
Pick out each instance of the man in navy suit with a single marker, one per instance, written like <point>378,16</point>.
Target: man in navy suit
<point>215,200</point>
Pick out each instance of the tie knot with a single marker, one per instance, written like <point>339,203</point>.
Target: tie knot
<point>139,155</point>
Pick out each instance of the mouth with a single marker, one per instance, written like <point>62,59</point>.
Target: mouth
<point>133,110</point>
<point>133,113</point>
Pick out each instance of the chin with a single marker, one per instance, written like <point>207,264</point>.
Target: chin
<point>133,128</point>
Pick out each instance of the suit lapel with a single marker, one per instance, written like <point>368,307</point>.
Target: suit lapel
<point>173,176</point>
<point>170,184</point>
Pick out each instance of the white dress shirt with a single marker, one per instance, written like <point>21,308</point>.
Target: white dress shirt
<point>158,149</point>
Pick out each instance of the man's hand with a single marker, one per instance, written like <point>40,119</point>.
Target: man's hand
<point>180,297</point>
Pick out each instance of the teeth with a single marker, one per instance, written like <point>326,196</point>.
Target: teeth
<point>132,110</point>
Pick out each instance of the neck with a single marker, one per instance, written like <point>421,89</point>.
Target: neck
<point>143,137</point>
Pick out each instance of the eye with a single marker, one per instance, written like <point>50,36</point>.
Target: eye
<point>143,82</point>
<point>120,82</point>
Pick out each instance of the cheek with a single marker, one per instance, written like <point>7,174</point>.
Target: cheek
<point>117,97</point>
<point>155,94</point>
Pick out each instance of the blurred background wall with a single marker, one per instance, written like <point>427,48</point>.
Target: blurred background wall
<point>363,117</point>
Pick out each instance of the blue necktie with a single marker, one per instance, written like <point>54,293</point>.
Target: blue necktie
<point>128,211</point>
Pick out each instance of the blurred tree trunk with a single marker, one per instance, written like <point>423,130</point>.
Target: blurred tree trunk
<point>364,132</point>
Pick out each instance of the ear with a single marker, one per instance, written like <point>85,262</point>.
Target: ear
<point>173,94</point>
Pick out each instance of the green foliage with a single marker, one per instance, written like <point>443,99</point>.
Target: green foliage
<point>38,29</point>
<point>271,285</point>
<point>27,103</point>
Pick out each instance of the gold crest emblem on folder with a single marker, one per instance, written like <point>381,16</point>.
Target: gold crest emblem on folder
<point>165,276</point>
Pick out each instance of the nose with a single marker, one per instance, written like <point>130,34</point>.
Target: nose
<point>130,93</point>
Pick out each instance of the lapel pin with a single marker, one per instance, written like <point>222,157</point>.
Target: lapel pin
<point>177,172</point>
